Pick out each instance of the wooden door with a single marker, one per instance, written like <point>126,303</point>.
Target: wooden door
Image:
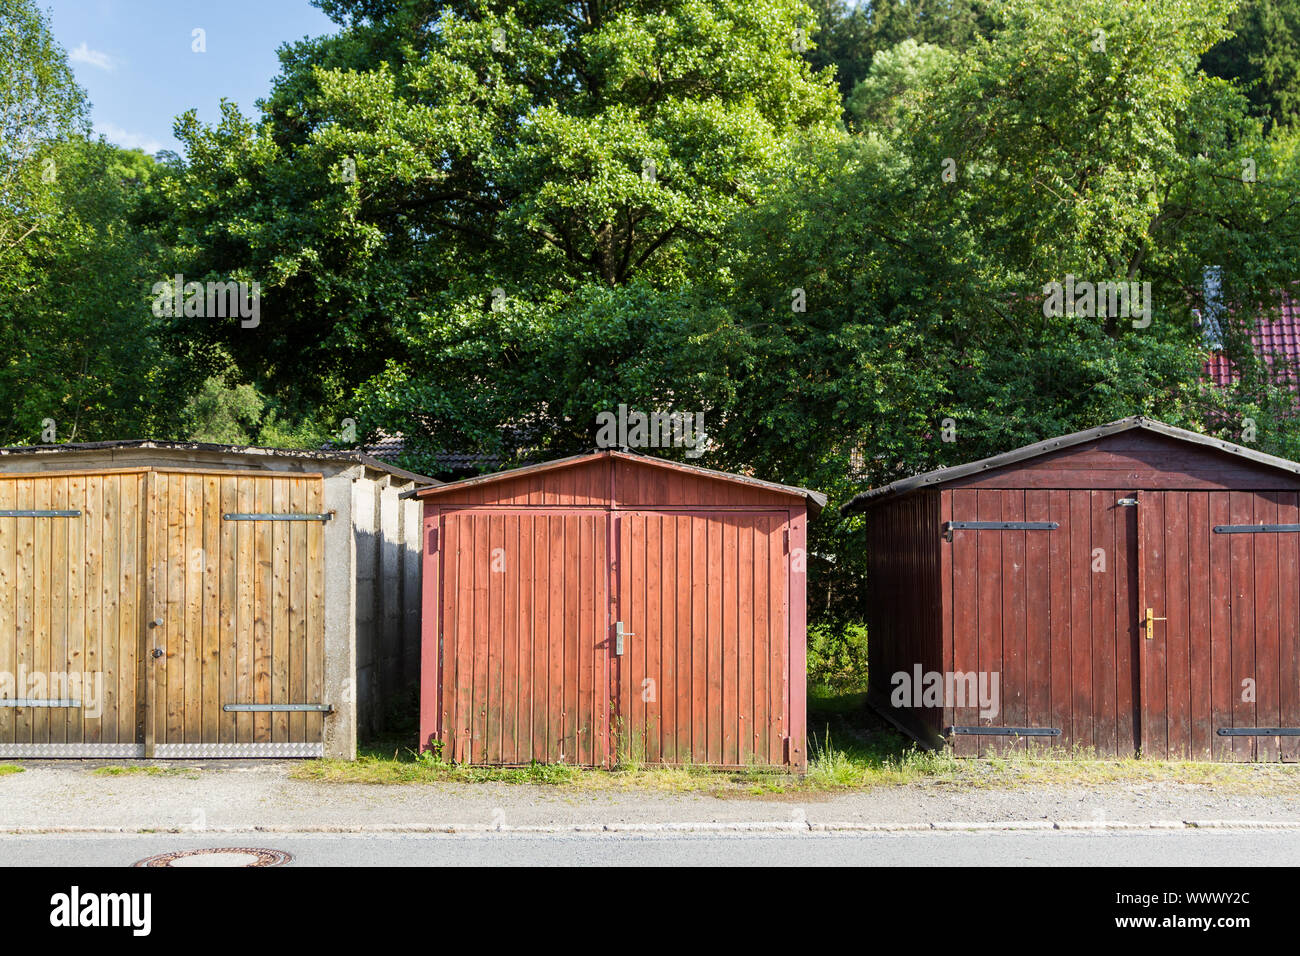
<point>70,569</point>
<point>1044,617</point>
<point>235,634</point>
<point>522,668</point>
<point>1220,624</point>
<point>703,674</point>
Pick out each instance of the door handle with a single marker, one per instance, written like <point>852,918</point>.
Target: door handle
<point>1151,622</point>
<point>157,653</point>
<point>619,634</point>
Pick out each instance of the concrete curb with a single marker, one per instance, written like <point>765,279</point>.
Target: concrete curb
<point>793,826</point>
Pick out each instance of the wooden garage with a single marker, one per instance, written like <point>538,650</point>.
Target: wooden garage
<point>191,600</point>
<point>613,606</point>
<point>1130,589</point>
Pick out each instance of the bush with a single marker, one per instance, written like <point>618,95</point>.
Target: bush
<point>837,656</point>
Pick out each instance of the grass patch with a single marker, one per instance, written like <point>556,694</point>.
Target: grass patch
<point>849,748</point>
<point>7,768</point>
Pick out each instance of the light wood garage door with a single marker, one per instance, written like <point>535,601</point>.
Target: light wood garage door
<point>161,613</point>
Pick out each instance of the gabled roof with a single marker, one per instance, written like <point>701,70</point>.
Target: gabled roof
<point>870,497</point>
<point>816,500</point>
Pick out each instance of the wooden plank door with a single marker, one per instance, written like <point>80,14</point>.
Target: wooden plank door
<point>703,677</point>
<point>1221,587</point>
<point>522,671</point>
<point>1043,584</point>
<point>70,569</point>
<point>236,597</point>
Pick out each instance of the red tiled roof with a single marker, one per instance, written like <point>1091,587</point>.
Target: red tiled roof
<point>1277,338</point>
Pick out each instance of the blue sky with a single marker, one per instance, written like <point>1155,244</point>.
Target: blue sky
<point>134,58</point>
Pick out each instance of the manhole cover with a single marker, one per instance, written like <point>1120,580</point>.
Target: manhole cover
<point>219,856</point>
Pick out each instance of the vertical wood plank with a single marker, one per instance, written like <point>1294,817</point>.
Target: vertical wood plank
<point>246,613</point>
<point>193,560</point>
<point>1288,614</point>
<point>94,648</point>
<point>1199,587</point>
<point>1242,549</point>
<point>1268,694</point>
<point>1037,670</point>
<point>130,609</point>
<point>280,618</point>
<point>42,636</point>
<point>8,602</point>
<point>1222,692</point>
<point>111,604</point>
<point>228,613</point>
<point>210,665</point>
<point>1014,677</point>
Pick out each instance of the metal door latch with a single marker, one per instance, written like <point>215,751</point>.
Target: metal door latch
<point>619,634</point>
<point>157,653</point>
<point>1151,622</point>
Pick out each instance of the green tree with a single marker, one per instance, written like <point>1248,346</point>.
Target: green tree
<point>485,218</point>
<point>80,346</point>
<point>849,35</point>
<point>1263,56</point>
<point>40,105</point>
<point>1077,140</point>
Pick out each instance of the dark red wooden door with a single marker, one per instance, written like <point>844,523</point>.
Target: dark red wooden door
<point>1047,618</point>
<point>1220,624</point>
<point>703,676</point>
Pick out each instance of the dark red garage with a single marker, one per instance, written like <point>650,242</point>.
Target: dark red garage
<point>1130,589</point>
<point>613,606</point>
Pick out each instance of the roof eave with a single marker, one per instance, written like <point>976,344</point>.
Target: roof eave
<point>867,499</point>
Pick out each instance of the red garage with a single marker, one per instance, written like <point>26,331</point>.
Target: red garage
<point>612,606</point>
<point>1133,588</point>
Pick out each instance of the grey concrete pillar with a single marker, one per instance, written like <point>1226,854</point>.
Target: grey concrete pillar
<point>340,619</point>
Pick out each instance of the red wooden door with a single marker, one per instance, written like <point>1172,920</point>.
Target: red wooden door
<point>1220,624</point>
<point>523,666</point>
<point>703,601</point>
<point>1044,618</point>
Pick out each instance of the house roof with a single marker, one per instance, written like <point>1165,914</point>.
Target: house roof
<point>389,447</point>
<point>149,444</point>
<point>939,476</point>
<point>1275,340</point>
<point>816,500</point>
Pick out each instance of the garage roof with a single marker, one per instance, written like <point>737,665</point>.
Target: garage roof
<point>870,497</point>
<point>816,500</point>
<point>149,444</point>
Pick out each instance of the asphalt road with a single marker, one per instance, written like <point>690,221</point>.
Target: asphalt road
<point>1042,848</point>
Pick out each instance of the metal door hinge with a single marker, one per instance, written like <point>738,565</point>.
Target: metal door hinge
<point>951,526</point>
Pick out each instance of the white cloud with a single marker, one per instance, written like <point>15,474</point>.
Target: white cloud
<point>127,139</point>
<point>84,54</point>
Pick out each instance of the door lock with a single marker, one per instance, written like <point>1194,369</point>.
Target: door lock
<point>619,634</point>
<point>157,653</point>
<point>1151,622</point>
